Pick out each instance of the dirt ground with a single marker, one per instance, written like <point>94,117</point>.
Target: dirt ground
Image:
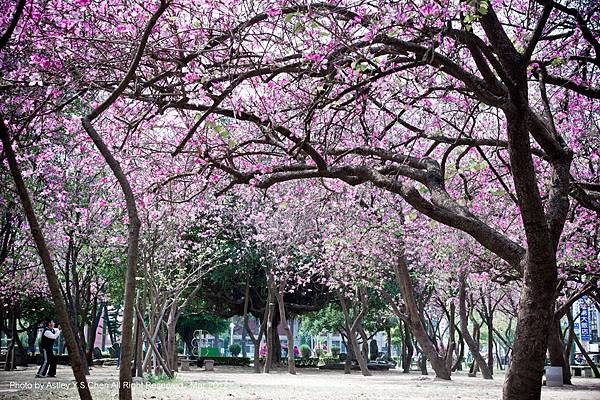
<point>309,384</point>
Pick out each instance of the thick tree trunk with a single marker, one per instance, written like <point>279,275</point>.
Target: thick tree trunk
<point>171,347</point>
<point>360,357</point>
<point>543,224</point>
<point>462,304</point>
<point>349,358</point>
<point>53,283</point>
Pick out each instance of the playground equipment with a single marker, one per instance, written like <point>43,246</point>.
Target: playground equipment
<point>200,346</point>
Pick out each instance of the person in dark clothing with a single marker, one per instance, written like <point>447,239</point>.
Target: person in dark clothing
<point>49,335</point>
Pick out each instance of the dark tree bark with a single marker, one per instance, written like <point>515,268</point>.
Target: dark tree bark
<point>473,346</point>
<point>451,337</point>
<point>280,292</point>
<point>132,213</point>
<point>352,322</point>
<point>407,348</point>
<point>413,318</point>
<point>269,329</point>
<point>53,283</point>
<point>256,340</point>
<point>556,351</point>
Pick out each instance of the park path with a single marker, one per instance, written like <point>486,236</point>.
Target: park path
<point>239,383</point>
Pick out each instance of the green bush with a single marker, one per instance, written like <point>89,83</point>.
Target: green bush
<point>328,359</point>
<point>156,379</point>
<point>318,352</point>
<point>335,351</point>
<point>305,351</point>
<point>235,349</point>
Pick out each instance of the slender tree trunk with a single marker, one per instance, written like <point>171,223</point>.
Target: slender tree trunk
<point>139,348</point>
<point>157,354</point>
<point>9,364</point>
<point>414,318</point>
<point>53,283</point>
<point>556,351</point>
<point>92,331</point>
<point>451,337</point>
<point>585,354</point>
<point>460,354</point>
<point>407,348</point>
<point>244,338</point>
<point>137,334</point>
<point>269,327</point>
<point>465,330</point>
<point>490,347</point>
<point>290,337</point>
<point>388,335</point>
<point>352,327</point>
<point>255,339</point>
<point>422,361</point>
<point>365,341</point>
<point>132,213</point>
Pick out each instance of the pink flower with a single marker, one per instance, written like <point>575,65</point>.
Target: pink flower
<point>314,57</point>
<point>273,12</point>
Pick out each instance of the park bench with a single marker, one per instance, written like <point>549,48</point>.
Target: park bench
<point>581,370</point>
<point>185,363</point>
<point>106,362</point>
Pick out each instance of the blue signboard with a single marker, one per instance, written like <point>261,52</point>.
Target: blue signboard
<point>584,322</point>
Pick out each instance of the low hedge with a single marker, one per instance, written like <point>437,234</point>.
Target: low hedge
<point>235,361</point>
<point>303,362</point>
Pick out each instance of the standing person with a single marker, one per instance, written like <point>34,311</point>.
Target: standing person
<point>49,335</point>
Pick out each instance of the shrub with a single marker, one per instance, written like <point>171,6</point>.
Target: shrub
<point>235,349</point>
<point>335,351</point>
<point>235,361</point>
<point>318,352</point>
<point>328,359</point>
<point>156,379</point>
<point>305,351</point>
